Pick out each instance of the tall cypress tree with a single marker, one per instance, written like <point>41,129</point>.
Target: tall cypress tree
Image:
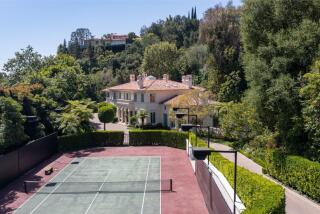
<point>192,13</point>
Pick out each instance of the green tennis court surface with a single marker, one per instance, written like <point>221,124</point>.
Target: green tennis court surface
<point>100,185</point>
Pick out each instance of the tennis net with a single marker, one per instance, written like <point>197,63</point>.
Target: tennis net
<point>41,187</point>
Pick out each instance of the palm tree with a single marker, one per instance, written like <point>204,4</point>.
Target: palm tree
<point>142,114</point>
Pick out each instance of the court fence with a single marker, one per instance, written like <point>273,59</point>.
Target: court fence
<point>16,163</point>
<point>217,192</point>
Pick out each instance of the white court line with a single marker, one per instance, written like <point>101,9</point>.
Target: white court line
<point>96,195</point>
<point>44,186</point>
<point>43,200</point>
<point>145,186</point>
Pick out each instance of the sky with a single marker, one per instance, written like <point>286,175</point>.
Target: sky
<point>44,24</point>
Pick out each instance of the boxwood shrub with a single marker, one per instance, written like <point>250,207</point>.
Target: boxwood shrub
<point>296,172</point>
<point>258,194</point>
<point>158,137</point>
<point>91,139</point>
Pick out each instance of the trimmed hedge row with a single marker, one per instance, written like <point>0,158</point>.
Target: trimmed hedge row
<point>158,137</point>
<point>296,172</point>
<point>91,139</point>
<point>257,193</point>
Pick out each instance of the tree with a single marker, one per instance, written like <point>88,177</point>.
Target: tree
<point>161,58</point>
<point>69,124</point>
<point>106,114</point>
<point>131,37</point>
<point>149,39</point>
<point>75,49</point>
<point>3,79</point>
<point>280,42</point>
<point>239,121</point>
<point>62,48</point>
<point>24,63</point>
<point>76,116</point>
<point>80,35</point>
<point>220,30</point>
<point>179,30</point>
<point>193,60</point>
<point>11,124</point>
<point>142,115</point>
<point>311,109</point>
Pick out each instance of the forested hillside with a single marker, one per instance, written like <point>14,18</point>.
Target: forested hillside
<point>261,61</point>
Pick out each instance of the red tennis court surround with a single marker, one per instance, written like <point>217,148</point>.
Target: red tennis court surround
<point>185,198</point>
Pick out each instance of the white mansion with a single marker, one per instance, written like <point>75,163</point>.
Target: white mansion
<point>148,93</point>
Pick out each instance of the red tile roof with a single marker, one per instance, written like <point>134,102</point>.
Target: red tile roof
<point>152,85</point>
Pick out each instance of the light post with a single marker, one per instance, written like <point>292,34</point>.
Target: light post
<point>201,153</point>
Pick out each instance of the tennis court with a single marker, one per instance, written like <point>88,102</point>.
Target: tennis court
<point>130,184</point>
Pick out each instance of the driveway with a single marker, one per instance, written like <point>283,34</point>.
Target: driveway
<point>295,203</point>
<point>109,126</point>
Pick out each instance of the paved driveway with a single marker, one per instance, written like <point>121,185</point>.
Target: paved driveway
<point>295,203</point>
<point>109,126</point>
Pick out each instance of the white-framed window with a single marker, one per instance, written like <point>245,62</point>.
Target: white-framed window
<point>135,97</point>
<point>152,98</point>
<point>142,97</point>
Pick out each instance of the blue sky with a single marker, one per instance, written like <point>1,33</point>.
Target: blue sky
<point>44,24</point>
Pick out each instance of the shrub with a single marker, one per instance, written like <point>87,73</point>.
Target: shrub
<point>158,126</point>
<point>240,122</point>
<point>11,124</point>
<point>91,139</point>
<point>133,120</point>
<point>158,137</point>
<point>257,193</point>
<point>296,172</point>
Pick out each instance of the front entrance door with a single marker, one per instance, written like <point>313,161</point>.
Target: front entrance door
<point>165,120</point>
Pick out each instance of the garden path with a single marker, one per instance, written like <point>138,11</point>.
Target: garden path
<point>295,202</point>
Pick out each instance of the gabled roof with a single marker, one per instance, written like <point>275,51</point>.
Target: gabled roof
<point>152,85</point>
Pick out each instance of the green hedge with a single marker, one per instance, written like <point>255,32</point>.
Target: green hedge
<point>158,137</point>
<point>92,139</point>
<point>296,172</point>
<point>257,193</point>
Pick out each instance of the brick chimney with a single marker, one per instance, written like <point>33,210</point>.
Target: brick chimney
<point>144,75</point>
<point>165,77</point>
<point>187,80</point>
<point>132,77</point>
<point>140,79</point>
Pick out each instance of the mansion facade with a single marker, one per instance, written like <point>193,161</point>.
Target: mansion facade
<point>147,93</point>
